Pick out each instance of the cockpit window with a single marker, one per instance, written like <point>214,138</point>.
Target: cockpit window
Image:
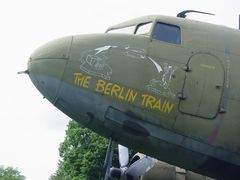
<point>125,30</point>
<point>143,29</point>
<point>167,33</point>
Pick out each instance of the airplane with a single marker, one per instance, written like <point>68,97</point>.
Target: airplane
<point>164,86</point>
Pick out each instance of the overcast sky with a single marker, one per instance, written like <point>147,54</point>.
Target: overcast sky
<point>30,127</point>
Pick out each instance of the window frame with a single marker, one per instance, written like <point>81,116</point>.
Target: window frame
<point>142,24</point>
<point>170,24</point>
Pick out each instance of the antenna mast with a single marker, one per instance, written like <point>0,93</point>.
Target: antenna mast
<point>183,14</point>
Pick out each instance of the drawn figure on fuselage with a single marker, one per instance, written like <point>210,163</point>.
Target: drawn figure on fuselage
<point>161,86</point>
<point>134,52</point>
<point>94,63</point>
<point>167,75</point>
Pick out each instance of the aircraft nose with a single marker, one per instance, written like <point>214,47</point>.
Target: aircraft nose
<point>46,66</point>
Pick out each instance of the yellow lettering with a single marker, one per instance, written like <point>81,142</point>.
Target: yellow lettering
<point>123,93</point>
<point>76,76</point>
<point>78,79</point>
<point>207,66</point>
<point>157,105</point>
<point>108,88</point>
<point>120,96</point>
<point>144,96</point>
<point>100,86</point>
<point>86,81</point>
<point>150,100</point>
<point>132,96</point>
<point>163,106</point>
<point>168,107</point>
<point>115,89</point>
<point>127,94</point>
<point>81,80</point>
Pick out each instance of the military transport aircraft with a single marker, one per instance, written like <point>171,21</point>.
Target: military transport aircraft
<point>164,86</point>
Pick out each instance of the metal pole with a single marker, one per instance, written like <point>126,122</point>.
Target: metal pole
<point>108,158</point>
<point>239,22</point>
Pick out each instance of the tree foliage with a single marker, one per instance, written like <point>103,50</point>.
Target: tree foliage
<point>82,155</point>
<point>10,173</point>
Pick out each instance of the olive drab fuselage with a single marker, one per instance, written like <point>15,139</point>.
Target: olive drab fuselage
<point>169,89</point>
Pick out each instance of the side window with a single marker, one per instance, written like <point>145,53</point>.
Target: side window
<point>143,29</point>
<point>125,30</point>
<point>167,33</point>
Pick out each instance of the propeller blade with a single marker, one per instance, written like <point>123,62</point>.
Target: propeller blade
<point>140,167</point>
<point>123,155</point>
<point>115,173</point>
